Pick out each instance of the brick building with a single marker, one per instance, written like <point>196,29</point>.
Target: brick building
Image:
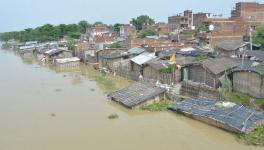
<point>128,31</point>
<point>179,21</point>
<point>248,14</point>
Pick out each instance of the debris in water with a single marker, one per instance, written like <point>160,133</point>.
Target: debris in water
<point>58,90</point>
<point>53,115</point>
<point>64,76</point>
<point>92,90</point>
<point>113,116</point>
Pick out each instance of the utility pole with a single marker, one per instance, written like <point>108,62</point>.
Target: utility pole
<point>250,34</point>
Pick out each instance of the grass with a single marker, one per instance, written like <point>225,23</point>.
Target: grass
<point>188,33</point>
<point>254,138</point>
<point>160,106</point>
<point>239,98</point>
<point>260,102</point>
<point>113,116</point>
<point>108,84</point>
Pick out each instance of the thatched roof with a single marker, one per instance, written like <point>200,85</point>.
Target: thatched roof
<point>226,115</point>
<point>136,94</point>
<point>219,65</point>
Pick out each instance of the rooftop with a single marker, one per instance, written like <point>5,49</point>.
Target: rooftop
<point>136,94</point>
<point>230,116</point>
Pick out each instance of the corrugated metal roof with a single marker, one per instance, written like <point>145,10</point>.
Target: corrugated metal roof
<point>136,50</point>
<point>143,58</point>
<point>225,115</point>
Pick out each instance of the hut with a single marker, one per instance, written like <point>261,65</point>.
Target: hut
<point>114,59</point>
<point>228,49</point>
<point>161,70</point>
<point>249,80</point>
<point>52,55</point>
<point>138,94</point>
<point>225,115</point>
<point>211,70</point>
<point>137,63</point>
<point>68,62</point>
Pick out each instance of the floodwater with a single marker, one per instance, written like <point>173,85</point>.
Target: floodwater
<point>42,108</point>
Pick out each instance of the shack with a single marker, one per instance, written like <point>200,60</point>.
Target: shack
<point>249,80</point>
<point>228,49</point>
<point>210,71</point>
<point>137,63</point>
<point>225,115</point>
<point>138,94</point>
<point>161,70</point>
<point>114,59</point>
<point>52,55</point>
<point>68,62</point>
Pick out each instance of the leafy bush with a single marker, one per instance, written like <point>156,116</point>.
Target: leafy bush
<point>256,137</point>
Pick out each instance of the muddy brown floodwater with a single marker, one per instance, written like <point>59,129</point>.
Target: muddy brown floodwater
<point>43,108</point>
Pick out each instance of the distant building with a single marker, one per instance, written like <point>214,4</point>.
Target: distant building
<point>179,21</point>
<point>128,31</point>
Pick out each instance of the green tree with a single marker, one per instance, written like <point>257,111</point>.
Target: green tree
<point>259,38</point>
<point>117,27</point>
<point>147,32</point>
<point>142,20</point>
<point>83,25</point>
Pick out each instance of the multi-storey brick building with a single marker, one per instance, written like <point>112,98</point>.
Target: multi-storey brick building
<point>181,21</point>
<point>248,14</point>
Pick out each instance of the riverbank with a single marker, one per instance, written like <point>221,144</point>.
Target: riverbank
<point>41,107</point>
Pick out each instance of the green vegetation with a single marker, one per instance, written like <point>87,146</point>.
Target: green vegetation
<point>260,103</point>
<point>142,20</point>
<point>201,58</point>
<point>190,33</point>
<point>47,32</point>
<point>115,45</point>
<point>254,138</point>
<point>113,116</point>
<point>200,29</point>
<point>147,32</point>
<point>160,106</point>
<point>259,38</point>
<point>169,69</point>
<point>239,98</point>
<point>227,87</point>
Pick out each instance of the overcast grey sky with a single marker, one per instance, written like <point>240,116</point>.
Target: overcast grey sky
<point>20,14</point>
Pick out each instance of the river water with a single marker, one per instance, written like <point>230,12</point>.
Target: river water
<point>42,108</point>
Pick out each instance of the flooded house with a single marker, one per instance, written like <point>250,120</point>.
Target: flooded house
<point>210,71</point>
<point>249,80</point>
<point>225,115</point>
<point>67,62</point>
<point>27,51</point>
<point>138,94</point>
<point>86,52</point>
<point>52,55</point>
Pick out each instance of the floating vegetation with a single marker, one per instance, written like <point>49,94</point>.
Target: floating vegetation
<point>92,90</point>
<point>160,106</point>
<point>113,116</point>
<point>53,115</point>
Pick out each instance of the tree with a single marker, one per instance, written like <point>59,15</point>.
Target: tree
<point>259,38</point>
<point>142,20</point>
<point>147,32</point>
<point>83,25</point>
<point>117,27</point>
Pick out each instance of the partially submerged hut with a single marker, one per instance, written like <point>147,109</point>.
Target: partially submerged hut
<point>225,115</point>
<point>68,62</point>
<point>138,94</point>
<point>52,55</point>
<point>249,80</point>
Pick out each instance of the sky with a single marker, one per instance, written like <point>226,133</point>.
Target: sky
<point>20,14</point>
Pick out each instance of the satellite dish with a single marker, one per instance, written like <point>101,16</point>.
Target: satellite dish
<point>211,27</point>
